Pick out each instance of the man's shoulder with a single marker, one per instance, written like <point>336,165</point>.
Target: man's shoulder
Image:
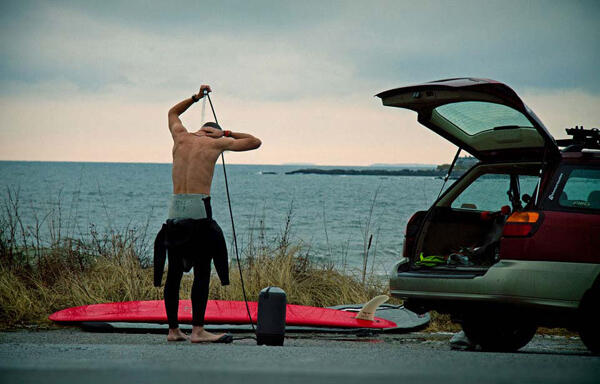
<point>194,138</point>
<point>215,143</point>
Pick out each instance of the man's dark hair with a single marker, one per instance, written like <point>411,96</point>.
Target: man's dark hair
<point>212,125</point>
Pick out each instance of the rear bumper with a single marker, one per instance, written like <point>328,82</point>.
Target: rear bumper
<point>532,283</point>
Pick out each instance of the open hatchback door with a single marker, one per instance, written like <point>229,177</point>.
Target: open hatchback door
<point>484,117</point>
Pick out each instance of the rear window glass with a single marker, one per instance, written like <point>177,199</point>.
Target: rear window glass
<point>581,190</point>
<point>474,117</point>
<point>489,192</point>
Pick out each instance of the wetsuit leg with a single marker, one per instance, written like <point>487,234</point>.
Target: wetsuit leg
<point>200,290</point>
<point>174,275</point>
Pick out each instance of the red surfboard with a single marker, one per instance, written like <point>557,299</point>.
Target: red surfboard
<point>217,312</point>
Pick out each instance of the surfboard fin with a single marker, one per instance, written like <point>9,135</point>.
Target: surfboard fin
<point>368,310</point>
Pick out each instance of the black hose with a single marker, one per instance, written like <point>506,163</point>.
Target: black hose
<point>237,256</point>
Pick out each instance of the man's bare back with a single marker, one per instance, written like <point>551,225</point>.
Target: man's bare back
<point>195,154</point>
<point>194,158</point>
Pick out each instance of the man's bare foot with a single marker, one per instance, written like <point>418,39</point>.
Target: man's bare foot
<point>199,335</point>
<point>176,335</point>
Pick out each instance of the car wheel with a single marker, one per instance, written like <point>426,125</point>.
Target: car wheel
<point>589,320</point>
<point>499,333</point>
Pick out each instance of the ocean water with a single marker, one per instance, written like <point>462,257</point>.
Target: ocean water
<point>329,214</point>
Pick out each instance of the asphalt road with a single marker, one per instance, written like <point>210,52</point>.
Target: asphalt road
<point>65,356</point>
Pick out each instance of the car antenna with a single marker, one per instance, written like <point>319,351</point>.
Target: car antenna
<point>237,255</point>
<point>449,170</point>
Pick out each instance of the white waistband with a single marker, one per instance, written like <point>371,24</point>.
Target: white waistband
<point>187,206</point>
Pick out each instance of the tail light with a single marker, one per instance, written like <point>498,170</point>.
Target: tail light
<point>522,224</point>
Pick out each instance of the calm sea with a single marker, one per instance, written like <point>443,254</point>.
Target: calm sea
<point>330,214</point>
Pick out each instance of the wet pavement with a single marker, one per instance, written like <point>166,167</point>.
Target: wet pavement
<point>70,355</point>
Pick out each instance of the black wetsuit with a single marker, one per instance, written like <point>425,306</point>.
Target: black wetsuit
<point>190,243</point>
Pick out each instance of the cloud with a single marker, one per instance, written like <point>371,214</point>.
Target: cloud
<point>300,75</point>
<point>560,109</point>
<point>273,50</point>
<point>108,57</point>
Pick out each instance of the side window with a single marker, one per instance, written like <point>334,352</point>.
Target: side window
<point>486,193</point>
<point>581,190</point>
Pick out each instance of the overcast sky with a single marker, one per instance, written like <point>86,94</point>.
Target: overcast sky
<point>93,81</point>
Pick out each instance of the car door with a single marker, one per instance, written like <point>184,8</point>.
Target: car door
<point>570,231</point>
<point>559,260</point>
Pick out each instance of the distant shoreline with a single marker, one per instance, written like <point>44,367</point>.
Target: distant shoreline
<point>368,172</point>
<point>411,165</point>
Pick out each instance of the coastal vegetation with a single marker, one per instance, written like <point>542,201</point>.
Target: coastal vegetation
<point>461,166</point>
<point>368,172</point>
<point>42,274</point>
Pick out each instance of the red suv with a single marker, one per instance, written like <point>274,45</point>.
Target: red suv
<point>514,243</point>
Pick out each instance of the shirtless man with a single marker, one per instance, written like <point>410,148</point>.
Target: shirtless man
<point>192,238</point>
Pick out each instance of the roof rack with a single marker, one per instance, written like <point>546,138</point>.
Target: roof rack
<point>581,138</point>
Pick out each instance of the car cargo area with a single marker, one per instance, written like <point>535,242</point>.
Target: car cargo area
<point>464,238</point>
<point>461,232</point>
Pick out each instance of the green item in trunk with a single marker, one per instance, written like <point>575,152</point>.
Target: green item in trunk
<point>430,261</point>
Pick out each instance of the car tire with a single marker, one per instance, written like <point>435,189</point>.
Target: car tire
<point>589,320</point>
<point>500,333</point>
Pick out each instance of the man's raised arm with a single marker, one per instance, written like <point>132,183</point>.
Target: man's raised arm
<point>241,142</point>
<point>175,124</point>
<point>233,141</point>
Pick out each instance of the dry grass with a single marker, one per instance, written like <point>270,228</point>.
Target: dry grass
<point>39,277</point>
<point>303,281</point>
<point>441,322</point>
<point>28,294</point>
